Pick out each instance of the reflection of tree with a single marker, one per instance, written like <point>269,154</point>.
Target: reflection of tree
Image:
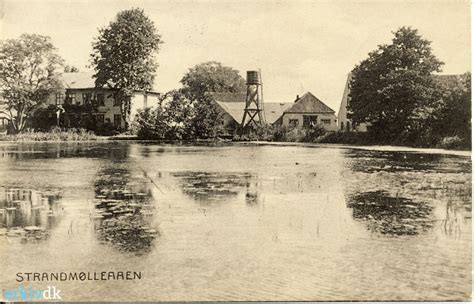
<point>390,215</point>
<point>123,209</point>
<point>398,190</point>
<point>211,186</point>
<point>29,214</point>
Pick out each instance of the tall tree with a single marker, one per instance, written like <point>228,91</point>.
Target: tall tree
<point>123,56</point>
<point>211,77</point>
<point>198,85</point>
<point>390,85</point>
<point>29,74</point>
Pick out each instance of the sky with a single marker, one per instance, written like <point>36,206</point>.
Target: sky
<point>299,46</point>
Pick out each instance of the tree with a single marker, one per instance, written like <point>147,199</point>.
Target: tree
<point>389,87</point>
<point>451,113</point>
<point>180,112</point>
<point>198,85</point>
<point>29,74</point>
<point>123,56</point>
<point>211,77</point>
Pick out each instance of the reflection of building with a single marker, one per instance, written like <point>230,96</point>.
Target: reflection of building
<point>23,208</point>
<point>305,111</point>
<point>79,90</point>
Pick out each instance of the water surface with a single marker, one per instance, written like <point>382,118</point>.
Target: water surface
<point>237,222</point>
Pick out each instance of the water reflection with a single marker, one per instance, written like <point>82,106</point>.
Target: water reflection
<point>28,214</point>
<point>389,161</point>
<point>391,215</point>
<point>212,186</point>
<point>33,151</point>
<point>124,209</point>
<point>401,193</point>
<point>253,192</point>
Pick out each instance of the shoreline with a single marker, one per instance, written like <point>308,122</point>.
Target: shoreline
<point>382,148</point>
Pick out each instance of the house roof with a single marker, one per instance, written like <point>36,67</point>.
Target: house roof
<point>308,103</point>
<point>234,105</point>
<point>79,80</point>
<point>272,110</point>
<point>83,80</point>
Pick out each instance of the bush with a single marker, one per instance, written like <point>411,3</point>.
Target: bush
<point>313,133</point>
<point>341,137</point>
<point>454,142</point>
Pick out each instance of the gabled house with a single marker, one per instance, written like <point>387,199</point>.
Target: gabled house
<point>308,110</point>
<point>305,111</point>
<point>79,92</point>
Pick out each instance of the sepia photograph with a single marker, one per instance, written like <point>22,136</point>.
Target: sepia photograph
<point>236,150</point>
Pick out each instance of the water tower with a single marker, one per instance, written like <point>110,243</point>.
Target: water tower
<point>253,113</point>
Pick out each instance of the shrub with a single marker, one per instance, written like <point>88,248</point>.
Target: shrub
<point>453,142</point>
<point>312,133</point>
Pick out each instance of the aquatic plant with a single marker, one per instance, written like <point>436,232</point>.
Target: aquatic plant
<point>390,215</point>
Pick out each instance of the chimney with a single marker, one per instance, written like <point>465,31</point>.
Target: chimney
<point>297,97</point>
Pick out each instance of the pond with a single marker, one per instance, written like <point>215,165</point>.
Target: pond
<point>237,222</point>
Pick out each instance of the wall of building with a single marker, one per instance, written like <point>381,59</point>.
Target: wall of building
<point>142,100</point>
<point>229,124</point>
<point>110,111</point>
<point>344,123</point>
<point>327,120</point>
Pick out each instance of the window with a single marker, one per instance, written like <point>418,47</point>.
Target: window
<point>116,101</point>
<point>326,121</point>
<point>293,122</point>
<point>100,99</point>
<point>99,119</point>
<point>342,125</point>
<point>117,120</point>
<point>71,98</point>
<point>59,98</point>
<point>309,120</point>
<point>86,98</point>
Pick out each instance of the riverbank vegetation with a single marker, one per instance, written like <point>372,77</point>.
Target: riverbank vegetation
<point>54,135</point>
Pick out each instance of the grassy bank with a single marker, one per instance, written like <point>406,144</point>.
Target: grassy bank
<point>55,135</point>
<point>317,134</point>
<point>364,139</point>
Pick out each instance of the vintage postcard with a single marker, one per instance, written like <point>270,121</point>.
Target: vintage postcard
<point>234,150</point>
